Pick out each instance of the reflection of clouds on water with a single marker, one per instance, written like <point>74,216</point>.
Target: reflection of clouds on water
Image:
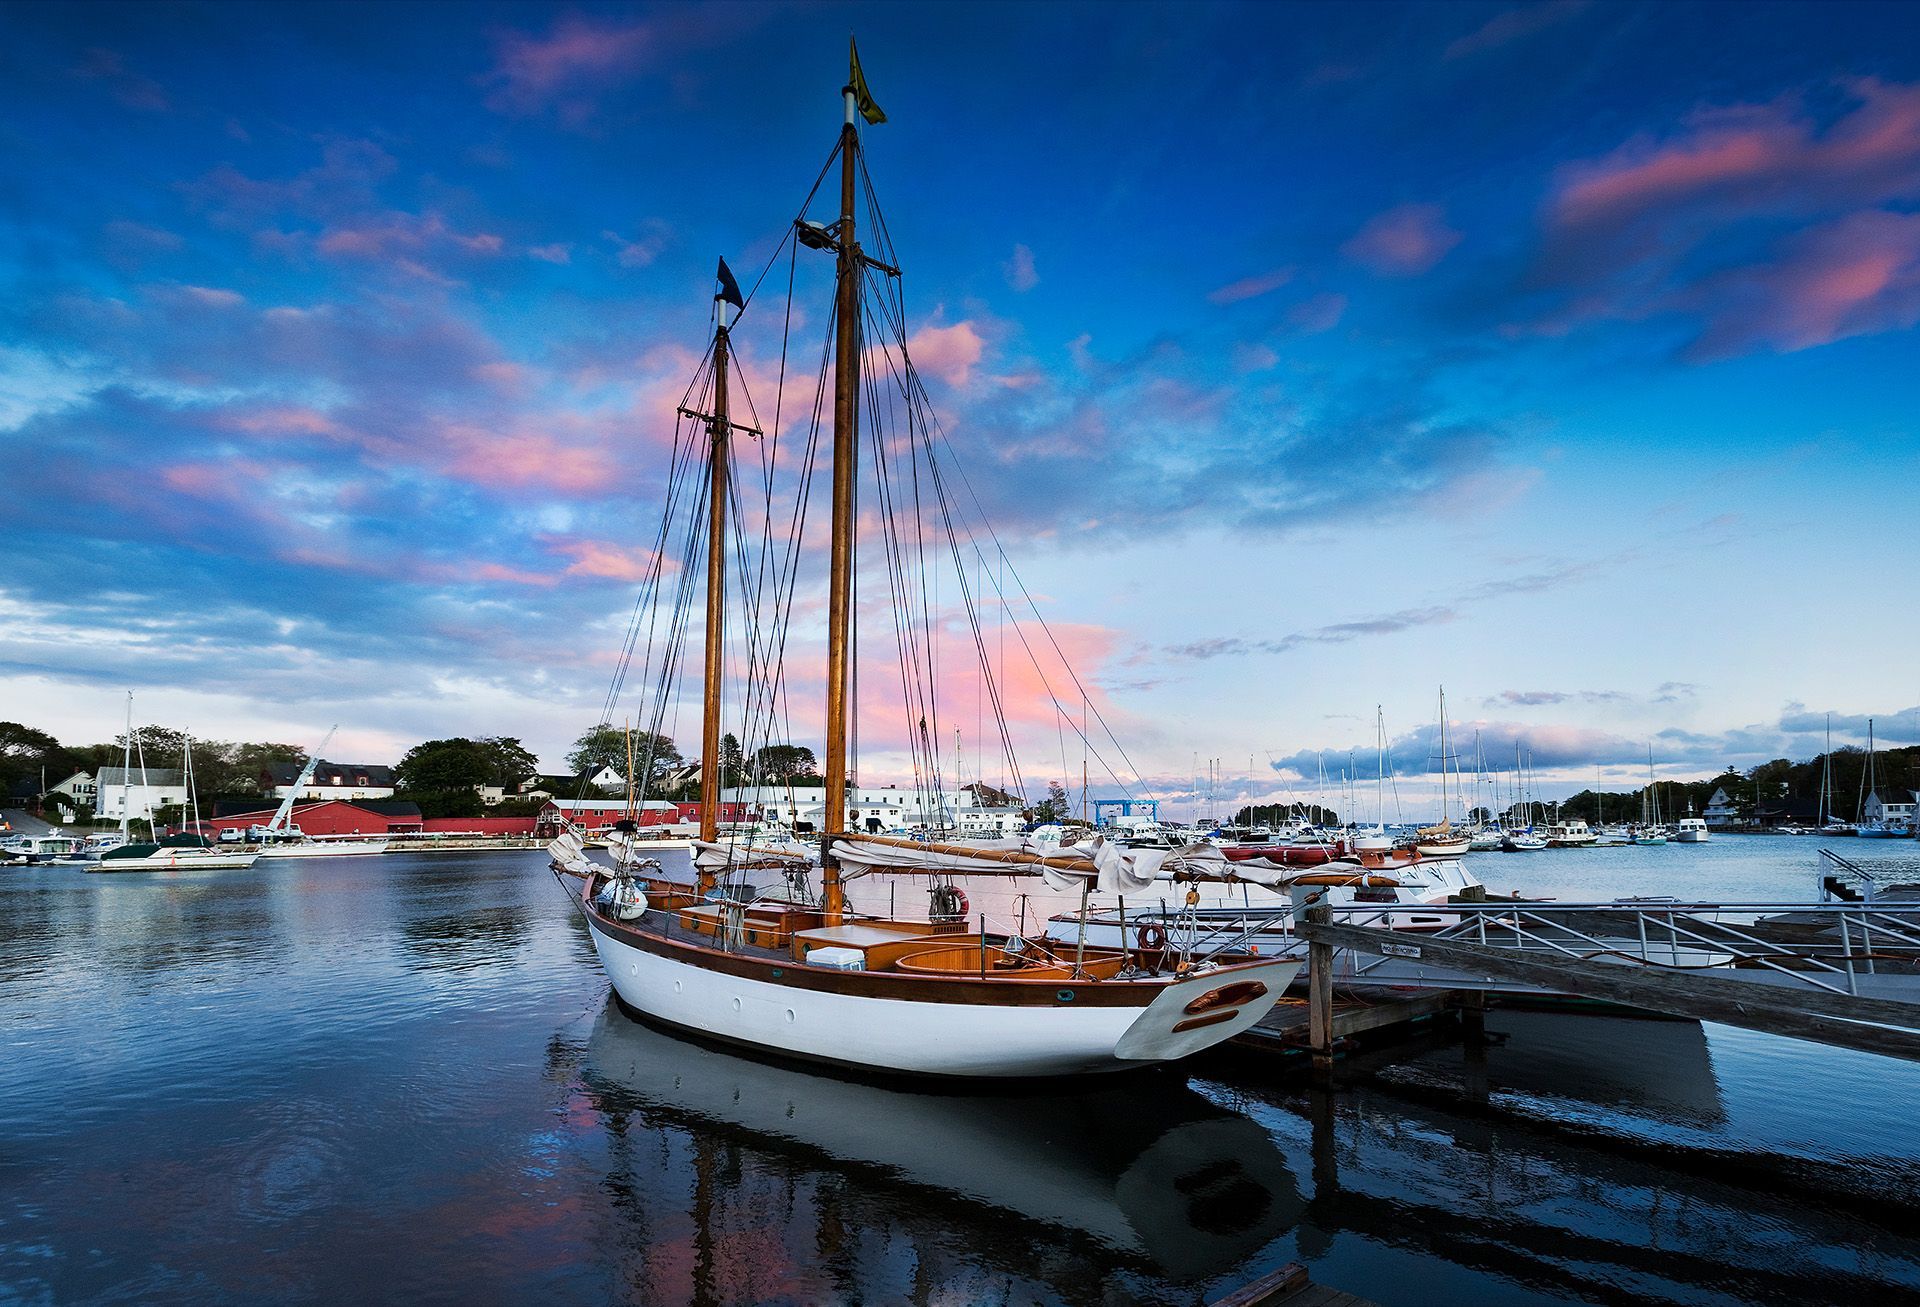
<point>1139,1165</point>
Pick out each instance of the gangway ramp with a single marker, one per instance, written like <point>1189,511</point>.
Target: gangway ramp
<point>1839,973</point>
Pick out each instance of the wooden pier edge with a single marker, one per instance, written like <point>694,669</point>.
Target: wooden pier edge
<point>1812,1014</point>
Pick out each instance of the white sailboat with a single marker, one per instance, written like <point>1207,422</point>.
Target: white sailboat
<point>1651,830</point>
<point>1442,840</point>
<point>805,974</point>
<point>184,852</point>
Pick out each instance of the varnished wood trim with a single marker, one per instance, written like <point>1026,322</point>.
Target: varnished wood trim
<point>998,992</point>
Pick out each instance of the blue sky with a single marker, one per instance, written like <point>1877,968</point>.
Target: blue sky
<point>1307,357</point>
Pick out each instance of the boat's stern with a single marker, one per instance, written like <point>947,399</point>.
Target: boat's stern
<point>1204,1010</point>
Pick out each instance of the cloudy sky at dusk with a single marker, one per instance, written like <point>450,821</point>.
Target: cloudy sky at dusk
<point>1306,357</point>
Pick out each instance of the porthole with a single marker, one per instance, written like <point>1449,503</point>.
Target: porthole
<point>790,1017</point>
<point>736,1005</point>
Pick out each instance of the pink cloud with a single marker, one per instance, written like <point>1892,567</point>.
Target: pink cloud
<point>526,457</point>
<point>950,353</point>
<point>579,54</point>
<point>1321,313</point>
<point>1404,241</point>
<point>130,88</point>
<point>504,375</point>
<point>603,560</point>
<point>1250,287</point>
<point>1852,277</point>
<point>1741,218</point>
<point>1514,25</point>
<point>556,253</point>
<point>644,248</point>
<point>1755,157</point>
<point>1019,270</point>
<point>283,420</point>
<point>395,234</point>
<point>214,297</point>
<point>512,575</point>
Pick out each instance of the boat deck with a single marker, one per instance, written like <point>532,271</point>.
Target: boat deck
<point>774,930</point>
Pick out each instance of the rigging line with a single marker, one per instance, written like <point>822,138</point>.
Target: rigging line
<point>971,609</point>
<point>1020,583</point>
<point>774,703</point>
<point>649,594</point>
<point>966,483</point>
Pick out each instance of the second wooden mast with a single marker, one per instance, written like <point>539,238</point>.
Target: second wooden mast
<point>721,429</point>
<point>846,453</point>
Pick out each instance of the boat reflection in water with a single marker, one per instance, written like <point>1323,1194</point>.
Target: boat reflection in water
<point>1139,1164</point>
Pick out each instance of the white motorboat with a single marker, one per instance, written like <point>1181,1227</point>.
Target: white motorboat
<point>1572,833</point>
<point>1691,830</point>
<point>50,848</point>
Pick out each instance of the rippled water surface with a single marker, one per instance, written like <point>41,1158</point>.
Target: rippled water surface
<point>400,1078</point>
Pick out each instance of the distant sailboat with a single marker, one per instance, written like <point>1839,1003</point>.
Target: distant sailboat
<point>1879,826</point>
<point>183,852</point>
<point>1442,840</point>
<point>1830,822</point>
<point>1650,830</point>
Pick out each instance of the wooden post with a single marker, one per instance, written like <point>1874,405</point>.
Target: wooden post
<point>846,453</point>
<point>1320,992</point>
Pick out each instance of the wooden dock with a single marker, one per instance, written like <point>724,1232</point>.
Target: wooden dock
<point>1289,1286</point>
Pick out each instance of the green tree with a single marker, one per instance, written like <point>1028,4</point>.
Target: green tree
<point>250,763</point>
<point>443,766</point>
<point>603,746</point>
<point>511,762</point>
<point>1054,807</point>
<point>786,764</point>
<point>162,746</point>
<point>655,757</point>
<point>25,752</point>
<point>733,763</point>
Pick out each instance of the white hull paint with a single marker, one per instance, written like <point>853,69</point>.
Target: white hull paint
<point>927,1038</point>
<point>324,849</point>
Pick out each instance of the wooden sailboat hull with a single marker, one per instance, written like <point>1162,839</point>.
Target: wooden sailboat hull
<point>919,1026</point>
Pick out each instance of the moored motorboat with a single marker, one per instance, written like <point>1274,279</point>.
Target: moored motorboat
<point>1691,830</point>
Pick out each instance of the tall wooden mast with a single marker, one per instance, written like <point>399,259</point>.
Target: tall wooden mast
<point>846,453</point>
<point>720,428</point>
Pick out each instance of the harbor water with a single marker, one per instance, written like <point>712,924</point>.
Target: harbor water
<point>400,1078</point>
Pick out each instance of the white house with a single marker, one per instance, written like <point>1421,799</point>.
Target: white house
<point>1720,810</point>
<point>1876,809</point>
<point>878,808</point>
<point>136,794</point>
<point>607,779</point>
<point>79,787</point>
<point>333,780</point>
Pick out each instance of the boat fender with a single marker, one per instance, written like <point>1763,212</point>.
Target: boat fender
<point>948,903</point>
<point>1152,937</point>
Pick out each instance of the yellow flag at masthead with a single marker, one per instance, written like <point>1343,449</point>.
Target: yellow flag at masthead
<point>862,98</point>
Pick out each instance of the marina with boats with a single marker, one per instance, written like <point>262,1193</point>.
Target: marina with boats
<point>981,1003</point>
